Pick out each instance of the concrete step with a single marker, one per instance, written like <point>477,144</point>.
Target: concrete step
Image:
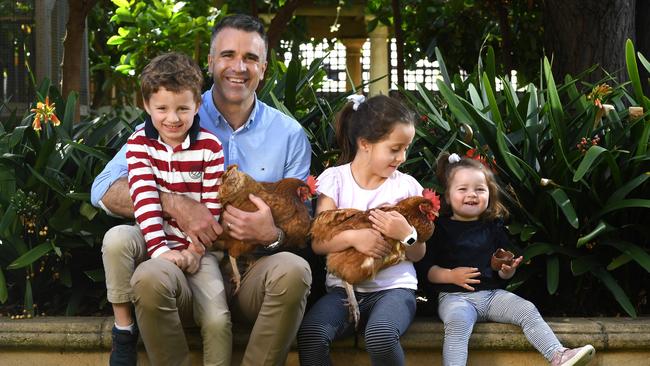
<point>48,341</point>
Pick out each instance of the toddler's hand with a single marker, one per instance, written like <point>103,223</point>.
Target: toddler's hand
<point>464,276</point>
<point>507,271</point>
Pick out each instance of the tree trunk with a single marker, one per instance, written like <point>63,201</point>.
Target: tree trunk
<point>643,40</point>
<point>579,34</point>
<point>72,46</point>
<point>281,19</point>
<point>399,41</point>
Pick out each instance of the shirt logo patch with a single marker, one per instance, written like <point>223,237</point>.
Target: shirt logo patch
<point>196,175</point>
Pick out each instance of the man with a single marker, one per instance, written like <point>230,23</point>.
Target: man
<point>267,145</point>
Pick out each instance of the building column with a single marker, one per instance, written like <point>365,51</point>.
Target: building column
<point>379,60</point>
<point>353,55</point>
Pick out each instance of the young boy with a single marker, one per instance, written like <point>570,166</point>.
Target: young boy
<point>172,154</point>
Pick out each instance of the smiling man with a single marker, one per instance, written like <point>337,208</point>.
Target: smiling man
<point>267,145</point>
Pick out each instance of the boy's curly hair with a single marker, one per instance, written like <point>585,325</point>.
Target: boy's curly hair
<point>173,71</point>
<point>445,172</point>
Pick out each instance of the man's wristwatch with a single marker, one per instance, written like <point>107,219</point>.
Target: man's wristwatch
<point>411,238</point>
<point>276,244</point>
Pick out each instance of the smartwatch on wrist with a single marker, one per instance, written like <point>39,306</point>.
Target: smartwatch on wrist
<point>411,238</point>
<point>276,244</point>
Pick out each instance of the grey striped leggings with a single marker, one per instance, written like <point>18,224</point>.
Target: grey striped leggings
<point>459,311</point>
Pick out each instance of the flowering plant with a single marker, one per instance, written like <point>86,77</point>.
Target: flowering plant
<point>49,232</point>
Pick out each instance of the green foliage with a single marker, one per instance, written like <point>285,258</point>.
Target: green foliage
<point>49,232</point>
<point>574,177</point>
<point>148,28</point>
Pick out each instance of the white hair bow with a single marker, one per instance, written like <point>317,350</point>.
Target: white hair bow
<point>454,158</point>
<point>356,99</point>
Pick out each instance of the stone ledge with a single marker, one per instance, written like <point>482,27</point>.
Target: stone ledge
<point>94,333</point>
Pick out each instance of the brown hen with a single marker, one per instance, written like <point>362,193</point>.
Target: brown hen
<point>286,198</point>
<point>353,266</point>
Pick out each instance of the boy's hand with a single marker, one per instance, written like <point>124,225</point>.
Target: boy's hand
<point>175,257</point>
<point>192,259</point>
<point>464,276</point>
<point>507,271</point>
<point>197,248</point>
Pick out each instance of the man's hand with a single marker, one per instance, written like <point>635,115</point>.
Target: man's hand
<point>257,227</point>
<point>193,217</point>
<point>507,271</point>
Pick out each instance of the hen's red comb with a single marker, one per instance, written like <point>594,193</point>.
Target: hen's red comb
<point>433,197</point>
<point>312,183</point>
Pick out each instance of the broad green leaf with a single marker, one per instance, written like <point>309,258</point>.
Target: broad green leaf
<point>490,65</point>
<point>634,251</point>
<point>443,67</point>
<point>622,204</point>
<point>644,61</point>
<point>7,220</point>
<point>583,264</point>
<point>88,150</point>
<point>615,289</point>
<point>602,227</point>
<point>563,201</point>
<point>633,73</point>
<point>556,115</point>
<point>96,275</point>
<point>115,40</point>
<point>4,294</point>
<point>590,157</point>
<point>121,3</point>
<point>552,273</point>
<point>17,135</point>
<point>50,183</point>
<point>628,187</point>
<point>454,103</point>
<point>88,211</point>
<point>618,261</point>
<point>31,256</point>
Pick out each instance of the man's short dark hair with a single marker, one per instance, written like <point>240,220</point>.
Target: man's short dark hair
<point>241,22</point>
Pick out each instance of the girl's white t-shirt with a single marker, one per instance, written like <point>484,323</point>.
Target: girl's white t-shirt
<point>338,184</point>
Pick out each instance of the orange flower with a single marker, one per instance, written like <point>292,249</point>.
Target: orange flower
<point>44,112</point>
<point>598,94</point>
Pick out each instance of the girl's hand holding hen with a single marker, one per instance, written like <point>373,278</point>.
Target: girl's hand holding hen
<point>390,223</point>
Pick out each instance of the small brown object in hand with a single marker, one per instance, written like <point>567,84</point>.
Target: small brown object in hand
<point>500,257</point>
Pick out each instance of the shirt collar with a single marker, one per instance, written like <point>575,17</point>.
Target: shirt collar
<point>193,133</point>
<point>251,118</point>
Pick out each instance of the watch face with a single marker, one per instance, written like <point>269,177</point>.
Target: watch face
<point>410,241</point>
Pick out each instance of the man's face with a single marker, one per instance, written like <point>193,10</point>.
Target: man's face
<point>237,63</point>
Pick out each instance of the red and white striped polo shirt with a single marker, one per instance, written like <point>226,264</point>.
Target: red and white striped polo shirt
<point>193,168</point>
